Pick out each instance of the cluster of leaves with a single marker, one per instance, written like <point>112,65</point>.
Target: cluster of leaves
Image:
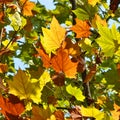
<point>73,69</point>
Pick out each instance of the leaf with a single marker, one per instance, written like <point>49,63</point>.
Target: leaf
<point>116,112</point>
<point>3,68</point>
<point>5,1</point>
<point>82,29</point>
<point>62,63</point>
<point>73,48</point>
<point>109,40</point>
<point>90,74</point>
<point>114,5</point>
<point>93,2</point>
<point>24,88</point>
<point>92,112</point>
<point>59,115</point>
<point>12,46</point>
<point>27,7</point>
<point>76,92</point>
<point>11,107</point>
<point>96,19</point>
<point>45,58</point>
<point>17,21</point>
<point>52,38</point>
<point>40,113</point>
<point>85,12</point>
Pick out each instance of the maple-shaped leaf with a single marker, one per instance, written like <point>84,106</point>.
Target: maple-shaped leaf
<point>76,92</point>
<point>24,88</point>
<point>52,38</point>
<point>116,112</point>
<point>3,68</point>
<point>41,114</point>
<point>61,62</point>
<point>11,107</point>
<point>81,28</point>
<point>27,7</point>
<point>93,2</point>
<point>92,112</point>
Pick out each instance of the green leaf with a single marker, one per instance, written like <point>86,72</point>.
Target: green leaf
<point>76,92</point>
<point>92,112</point>
<point>85,12</point>
<point>105,41</point>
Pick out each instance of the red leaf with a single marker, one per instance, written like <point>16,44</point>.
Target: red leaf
<point>11,107</point>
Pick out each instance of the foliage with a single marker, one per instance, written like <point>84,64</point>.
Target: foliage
<point>73,58</point>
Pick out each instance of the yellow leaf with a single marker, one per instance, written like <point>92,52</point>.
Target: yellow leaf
<point>27,7</point>
<point>93,2</point>
<point>45,78</point>
<point>11,46</point>
<point>92,112</point>
<point>22,87</point>
<point>53,37</point>
<point>3,68</point>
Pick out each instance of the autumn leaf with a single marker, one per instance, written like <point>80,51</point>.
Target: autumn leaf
<point>5,1</point>
<point>3,68</point>
<point>81,28</point>
<point>90,74</point>
<point>91,111</point>
<point>93,2</point>
<point>114,5</point>
<point>45,58</point>
<point>73,48</point>
<point>52,38</point>
<point>40,113</point>
<point>11,107</point>
<point>59,115</point>
<point>76,92</point>
<point>116,112</point>
<point>27,7</point>
<point>24,88</point>
<point>61,62</point>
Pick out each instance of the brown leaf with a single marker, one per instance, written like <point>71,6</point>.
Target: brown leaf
<point>59,79</point>
<point>91,74</point>
<point>114,5</point>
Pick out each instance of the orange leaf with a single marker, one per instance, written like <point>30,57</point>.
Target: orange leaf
<point>27,7</point>
<point>61,62</point>
<point>45,57</point>
<point>116,112</point>
<point>82,29</point>
<point>59,115</point>
<point>11,107</point>
<point>3,68</point>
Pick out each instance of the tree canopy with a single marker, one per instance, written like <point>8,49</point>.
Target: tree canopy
<point>73,58</point>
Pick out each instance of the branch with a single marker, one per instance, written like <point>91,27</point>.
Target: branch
<point>73,8</point>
